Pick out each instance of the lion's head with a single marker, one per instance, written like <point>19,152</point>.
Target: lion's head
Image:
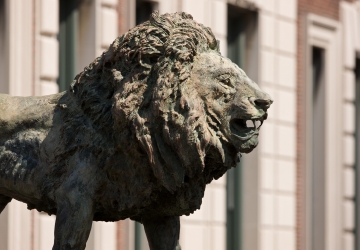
<point>175,99</point>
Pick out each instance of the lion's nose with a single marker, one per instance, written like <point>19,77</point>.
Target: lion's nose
<point>262,103</point>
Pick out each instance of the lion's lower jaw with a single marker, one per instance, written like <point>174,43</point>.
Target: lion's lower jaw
<point>249,145</point>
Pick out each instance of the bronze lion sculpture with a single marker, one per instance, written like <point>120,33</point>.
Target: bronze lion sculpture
<point>138,135</point>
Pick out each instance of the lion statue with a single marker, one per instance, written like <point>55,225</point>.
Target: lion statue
<point>138,135</point>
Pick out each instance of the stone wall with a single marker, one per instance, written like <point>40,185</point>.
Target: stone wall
<point>350,18</point>
<point>277,160</point>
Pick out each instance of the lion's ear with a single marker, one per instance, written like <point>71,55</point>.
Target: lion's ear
<point>218,45</point>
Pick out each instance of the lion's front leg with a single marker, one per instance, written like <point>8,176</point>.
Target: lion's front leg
<point>163,233</point>
<point>73,221</point>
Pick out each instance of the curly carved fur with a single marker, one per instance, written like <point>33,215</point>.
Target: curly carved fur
<point>148,70</point>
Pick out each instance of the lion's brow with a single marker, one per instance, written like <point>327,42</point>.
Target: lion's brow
<point>226,70</point>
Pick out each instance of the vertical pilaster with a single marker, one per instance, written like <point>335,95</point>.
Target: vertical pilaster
<point>20,48</point>
<point>47,47</point>
<point>17,80</point>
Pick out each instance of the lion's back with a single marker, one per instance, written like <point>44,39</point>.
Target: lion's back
<point>24,124</point>
<point>19,113</point>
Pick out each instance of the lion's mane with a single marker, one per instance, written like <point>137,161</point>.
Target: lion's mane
<point>140,88</point>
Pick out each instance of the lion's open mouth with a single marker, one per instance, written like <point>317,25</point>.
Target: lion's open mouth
<point>244,129</point>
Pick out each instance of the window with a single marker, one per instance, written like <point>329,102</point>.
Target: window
<point>322,125</point>
<point>318,145</point>
<point>68,37</point>
<point>144,10</point>
<point>357,154</point>
<point>4,83</point>
<point>242,45</point>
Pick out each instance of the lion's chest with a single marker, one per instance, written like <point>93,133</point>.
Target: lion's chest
<point>139,198</point>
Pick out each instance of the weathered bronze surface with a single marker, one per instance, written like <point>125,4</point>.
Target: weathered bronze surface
<point>139,134</point>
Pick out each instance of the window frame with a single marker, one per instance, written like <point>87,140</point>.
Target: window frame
<point>243,213</point>
<point>324,33</point>
<point>68,42</point>
<point>357,153</point>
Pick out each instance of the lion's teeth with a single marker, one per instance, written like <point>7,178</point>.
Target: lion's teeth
<point>250,124</point>
<point>257,124</point>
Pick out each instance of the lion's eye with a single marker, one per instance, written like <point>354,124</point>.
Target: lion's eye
<point>225,79</point>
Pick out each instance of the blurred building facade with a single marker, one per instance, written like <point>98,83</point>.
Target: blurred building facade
<point>298,190</point>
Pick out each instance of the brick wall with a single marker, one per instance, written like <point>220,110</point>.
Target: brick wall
<point>123,16</point>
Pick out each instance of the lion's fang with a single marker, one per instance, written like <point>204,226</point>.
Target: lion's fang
<point>250,124</point>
